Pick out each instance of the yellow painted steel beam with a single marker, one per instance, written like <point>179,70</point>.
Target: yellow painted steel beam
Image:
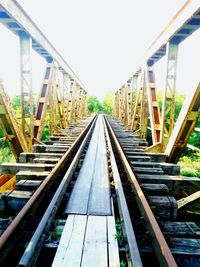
<point>144,109</point>
<point>154,109</point>
<point>185,124</point>
<point>10,126</point>
<point>138,103</point>
<point>42,104</point>
<point>168,105</point>
<point>27,116</point>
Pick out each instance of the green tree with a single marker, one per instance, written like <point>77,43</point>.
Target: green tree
<point>95,106</point>
<point>108,102</point>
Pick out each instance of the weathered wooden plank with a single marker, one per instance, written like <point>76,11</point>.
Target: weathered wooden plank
<point>50,149</point>
<point>170,168</point>
<point>16,167</point>
<point>140,158</point>
<point>31,175</point>
<point>15,200</point>
<point>91,193</point>
<point>113,250</point>
<point>28,157</point>
<point>172,182</point>
<point>185,246</point>
<point>59,142</point>
<point>144,164</point>
<point>78,202</point>
<point>154,171</point>
<point>187,229</point>
<point>155,189</point>
<point>27,185</point>
<point>69,250</point>
<point>164,206</point>
<point>95,245</point>
<point>46,160</point>
<point>99,202</point>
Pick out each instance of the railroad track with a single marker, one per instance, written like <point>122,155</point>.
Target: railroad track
<point>105,179</point>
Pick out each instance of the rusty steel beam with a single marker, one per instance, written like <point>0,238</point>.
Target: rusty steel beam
<point>42,104</point>
<point>185,124</point>
<point>154,109</point>
<point>10,126</point>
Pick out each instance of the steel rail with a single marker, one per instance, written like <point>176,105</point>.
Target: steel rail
<point>12,228</point>
<point>130,235</point>
<point>159,243</point>
<point>29,254</point>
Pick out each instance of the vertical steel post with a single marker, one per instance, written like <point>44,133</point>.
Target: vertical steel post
<point>27,119</point>
<point>144,109</point>
<point>154,110</point>
<point>65,95</point>
<point>70,99</point>
<point>168,105</point>
<point>52,103</point>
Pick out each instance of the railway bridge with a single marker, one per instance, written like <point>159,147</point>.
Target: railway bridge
<point>103,190</point>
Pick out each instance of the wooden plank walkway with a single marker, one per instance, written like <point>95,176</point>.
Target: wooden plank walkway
<point>88,241</point>
<point>91,193</point>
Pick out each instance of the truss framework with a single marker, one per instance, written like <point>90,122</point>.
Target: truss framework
<point>144,110</point>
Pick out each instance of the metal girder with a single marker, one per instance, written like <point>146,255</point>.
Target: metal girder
<point>168,105</point>
<point>11,10</point>
<point>9,125</point>
<point>70,102</point>
<point>120,104</point>
<point>144,109</point>
<point>185,123</point>
<point>184,17</point>
<point>60,107</point>
<point>65,94</point>
<point>116,105</point>
<point>42,104</point>
<point>129,101</point>
<point>26,89</point>
<point>154,109</point>
<point>53,106</point>
<point>138,103</point>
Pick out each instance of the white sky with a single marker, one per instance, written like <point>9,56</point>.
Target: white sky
<point>101,40</point>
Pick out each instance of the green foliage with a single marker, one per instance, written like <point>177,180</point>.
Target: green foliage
<point>190,164</point>
<point>95,106</point>
<point>46,129</point>
<point>119,232</point>
<point>195,136</point>
<point>108,102</point>
<point>122,263</point>
<point>178,103</point>
<point>6,155</point>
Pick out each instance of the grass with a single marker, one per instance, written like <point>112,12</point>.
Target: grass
<point>190,165</point>
<point>6,155</point>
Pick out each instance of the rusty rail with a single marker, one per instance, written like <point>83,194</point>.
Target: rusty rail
<point>12,228</point>
<point>159,243</point>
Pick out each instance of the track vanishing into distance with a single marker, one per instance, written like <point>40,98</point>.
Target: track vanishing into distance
<point>91,196</point>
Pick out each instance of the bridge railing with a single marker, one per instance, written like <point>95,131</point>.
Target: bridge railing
<point>62,96</point>
<point>137,99</point>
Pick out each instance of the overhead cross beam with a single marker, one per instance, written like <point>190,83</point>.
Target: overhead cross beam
<point>163,133</point>
<point>16,19</point>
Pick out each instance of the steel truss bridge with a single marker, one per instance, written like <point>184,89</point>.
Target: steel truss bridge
<point>103,162</point>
